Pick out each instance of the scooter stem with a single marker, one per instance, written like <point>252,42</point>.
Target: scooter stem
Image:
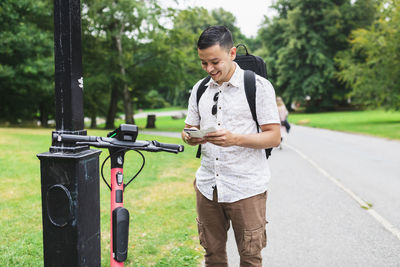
<point>119,215</point>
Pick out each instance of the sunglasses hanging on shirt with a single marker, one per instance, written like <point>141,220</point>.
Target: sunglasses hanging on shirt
<point>214,108</point>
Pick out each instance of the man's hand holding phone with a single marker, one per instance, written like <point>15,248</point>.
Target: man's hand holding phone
<point>194,136</point>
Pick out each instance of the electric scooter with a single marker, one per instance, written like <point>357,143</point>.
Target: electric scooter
<point>118,142</point>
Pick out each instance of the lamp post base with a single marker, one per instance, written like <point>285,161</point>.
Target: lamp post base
<point>71,208</point>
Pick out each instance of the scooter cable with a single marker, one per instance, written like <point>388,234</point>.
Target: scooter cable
<point>119,151</point>
<point>102,165</point>
<point>141,168</point>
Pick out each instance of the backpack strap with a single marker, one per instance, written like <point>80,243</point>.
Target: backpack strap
<point>200,91</point>
<point>250,89</point>
<point>202,88</point>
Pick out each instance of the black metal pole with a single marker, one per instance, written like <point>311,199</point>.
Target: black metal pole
<point>68,65</point>
<point>70,173</point>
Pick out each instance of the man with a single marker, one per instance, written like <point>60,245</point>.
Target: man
<point>232,180</point>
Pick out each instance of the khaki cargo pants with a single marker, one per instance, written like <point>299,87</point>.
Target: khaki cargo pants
<point>248,222</point>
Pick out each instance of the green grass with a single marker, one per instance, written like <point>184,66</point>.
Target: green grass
<point>165,123</point>
<point>374,122</point>
<point>160,109</point>
<point>377,122</point>
<point>160,201</point>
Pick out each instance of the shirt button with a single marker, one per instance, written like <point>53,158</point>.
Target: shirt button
<point>219,124</point>
<point>219,107</point>
<point>216,159</point>
<point>217,174</point>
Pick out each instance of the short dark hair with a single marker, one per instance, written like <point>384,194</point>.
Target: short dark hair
<point>213,35</point>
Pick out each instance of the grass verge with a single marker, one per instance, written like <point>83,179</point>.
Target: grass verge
<point>160,201</point>
<point>372,122</point>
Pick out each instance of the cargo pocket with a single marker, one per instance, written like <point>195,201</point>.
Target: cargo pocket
<point>254,241</point>
<point>265,235</point>
<point>202,238</point>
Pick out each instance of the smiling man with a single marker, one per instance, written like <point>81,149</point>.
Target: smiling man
<point>232,181</point>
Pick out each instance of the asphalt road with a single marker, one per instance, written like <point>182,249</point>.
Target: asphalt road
<point>334,200</point>
<point>320,180</point>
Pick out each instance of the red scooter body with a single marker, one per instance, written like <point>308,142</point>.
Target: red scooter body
<point>119,216</point>
<point>115,187</point>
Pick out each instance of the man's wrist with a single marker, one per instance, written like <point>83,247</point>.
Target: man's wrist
<point>237,139</point>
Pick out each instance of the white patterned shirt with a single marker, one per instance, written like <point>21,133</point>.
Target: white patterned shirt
<point>238,172</point>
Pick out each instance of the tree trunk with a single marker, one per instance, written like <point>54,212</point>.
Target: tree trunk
<point>126,94</point>
<point>151,121</point>
<point>93,123</point>
<point>44,116</point>
<point>112,109</point>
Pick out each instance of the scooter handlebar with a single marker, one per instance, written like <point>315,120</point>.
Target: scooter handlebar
<point>104,142</point>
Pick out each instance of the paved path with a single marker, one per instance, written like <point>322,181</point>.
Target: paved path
<point>321,179</point>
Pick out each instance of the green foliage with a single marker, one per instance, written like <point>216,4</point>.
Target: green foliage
<point>153,99</point>
<point>124,33</point>
<point>372,66</point>
<point>184,65</point>
<point>128,55</point>
<point>300,45</point>
<point>26,60</point>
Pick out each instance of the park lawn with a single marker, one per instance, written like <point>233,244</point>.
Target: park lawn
<point>161,109</point>
<point>164,123</point>
<point>371,122</point>
<point>163,230</point>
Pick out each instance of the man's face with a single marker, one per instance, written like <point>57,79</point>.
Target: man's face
<point>217,61</point>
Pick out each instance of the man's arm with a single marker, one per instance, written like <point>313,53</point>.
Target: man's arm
<point>269,137</point>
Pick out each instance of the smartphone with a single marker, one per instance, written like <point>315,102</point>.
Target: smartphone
<point>194,132</point>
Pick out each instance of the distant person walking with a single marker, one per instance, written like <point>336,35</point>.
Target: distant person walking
<point>283,116</point>
<point>232,181</point>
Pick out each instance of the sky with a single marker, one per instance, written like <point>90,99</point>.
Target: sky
<point>249,13</point>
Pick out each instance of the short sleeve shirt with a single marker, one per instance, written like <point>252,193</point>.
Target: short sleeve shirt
<point>238,172</point>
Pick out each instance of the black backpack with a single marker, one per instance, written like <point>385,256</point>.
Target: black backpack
<point>250,64</point>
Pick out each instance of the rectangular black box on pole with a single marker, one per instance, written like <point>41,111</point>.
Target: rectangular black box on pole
<point>69,172</point>
<point>70,208</point>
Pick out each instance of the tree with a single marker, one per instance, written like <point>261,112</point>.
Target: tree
<point>125,25</point>
<point>372,65</point>
<point>305,64</point>
<point>98,81</point>
<point>183,64</point>
<point>300,46</point>
<point>26,60</point>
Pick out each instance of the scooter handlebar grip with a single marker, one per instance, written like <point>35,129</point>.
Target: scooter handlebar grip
<point>73,138</point>
<point>175,147</point>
